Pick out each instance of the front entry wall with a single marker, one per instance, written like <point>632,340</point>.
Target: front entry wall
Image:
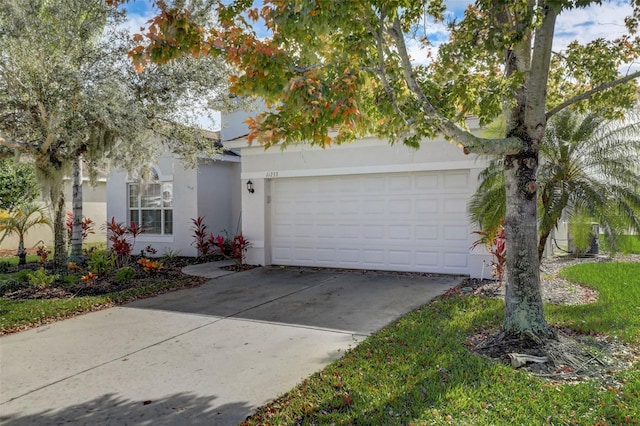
<point>385,221</point>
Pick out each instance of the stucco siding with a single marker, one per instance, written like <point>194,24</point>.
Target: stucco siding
<point>218,186</point>
<point>365,158</point>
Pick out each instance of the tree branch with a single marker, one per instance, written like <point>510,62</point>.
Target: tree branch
<point>302,70</point>
<point>472,144</point>
<point>537,81</point>
<point>586,95</point>
<point>15,145</point>
<point>378,36</point>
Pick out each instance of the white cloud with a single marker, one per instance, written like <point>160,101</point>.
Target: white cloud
<point>584,25</point>
<point>597,21</point>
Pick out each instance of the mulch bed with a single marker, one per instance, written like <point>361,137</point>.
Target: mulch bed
<point>171,271</point>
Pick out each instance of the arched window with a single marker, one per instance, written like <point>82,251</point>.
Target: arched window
<point>151,205</point>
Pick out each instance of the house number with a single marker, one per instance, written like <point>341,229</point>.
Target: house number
<point>271,175</point>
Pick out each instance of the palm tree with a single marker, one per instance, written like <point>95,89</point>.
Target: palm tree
<point>20,221</point>
<point>588,170</point>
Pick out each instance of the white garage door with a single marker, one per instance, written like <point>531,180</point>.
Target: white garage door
<point>393,221</point>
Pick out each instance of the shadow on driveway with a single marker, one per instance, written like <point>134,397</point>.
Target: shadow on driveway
<point>356,301</point>
<point>181,408</point>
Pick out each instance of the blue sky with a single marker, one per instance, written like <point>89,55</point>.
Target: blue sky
<point>586,24</point>
<point>582,24</point>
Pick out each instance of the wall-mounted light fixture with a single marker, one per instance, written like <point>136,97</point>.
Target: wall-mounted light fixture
<point>250,187</point>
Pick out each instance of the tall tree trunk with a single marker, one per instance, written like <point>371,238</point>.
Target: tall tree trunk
<point>524,315</point>
<point>76,233</point>
<point>56,194</point>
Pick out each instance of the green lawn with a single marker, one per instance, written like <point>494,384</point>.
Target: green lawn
<point>16,315</point>
<point>617,311</point>
<point>13,260</point>
<point>419,370</point>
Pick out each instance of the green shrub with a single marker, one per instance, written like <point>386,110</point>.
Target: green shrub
<point>169,255</point>
<point>9,285</point>
<point>70,280</point>
<point>626,244</point>
<point>4,266</point>
<point>101,262</point>
<point>125,274</point>
<point>41,278</point>
<point>22,275</point>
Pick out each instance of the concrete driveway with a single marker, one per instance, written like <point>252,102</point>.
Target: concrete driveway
<point>209,355</point>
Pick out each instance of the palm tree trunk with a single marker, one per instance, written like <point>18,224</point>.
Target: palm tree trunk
<point>544,236</point>
<point>59,231</point>
<point>22,252</point>
<point>76,233</point>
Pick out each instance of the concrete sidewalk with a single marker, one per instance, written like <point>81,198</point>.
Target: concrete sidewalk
<point>208,355</point>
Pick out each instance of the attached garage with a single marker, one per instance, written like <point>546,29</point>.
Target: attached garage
<point>362,205</point>
<point>386,221</point>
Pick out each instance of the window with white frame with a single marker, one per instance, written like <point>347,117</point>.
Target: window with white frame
<point>151,206</point>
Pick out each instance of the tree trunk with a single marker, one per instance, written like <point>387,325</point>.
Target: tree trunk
<point>22,252</point>
<point>59,228</point>
<point>76,233</point>
<point>544,236</point>
<point>523,300</point>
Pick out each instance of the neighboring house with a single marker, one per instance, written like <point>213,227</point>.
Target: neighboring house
<point>363,205</point>
<point>94,207</point>
<point>176,193</point>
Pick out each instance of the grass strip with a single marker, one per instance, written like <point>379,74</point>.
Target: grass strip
<point>18,315</point>
<point>419,371</point>
<point>617,311</point>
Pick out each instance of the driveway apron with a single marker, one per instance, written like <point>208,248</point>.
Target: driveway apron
<point>209,355</point>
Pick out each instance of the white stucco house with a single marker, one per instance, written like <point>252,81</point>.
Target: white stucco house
<point>176,193</point>
<point>363,205</point>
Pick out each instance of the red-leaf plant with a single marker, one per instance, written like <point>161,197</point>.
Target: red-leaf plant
<point>122,239</point>
<point>223,245</point>
<point>495,242</point>
<point>200,237</point>
<point>240,246</point>
<point>87,227</point>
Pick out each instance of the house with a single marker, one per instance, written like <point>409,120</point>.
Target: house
<point>363,205</point>
<point>165,204</point>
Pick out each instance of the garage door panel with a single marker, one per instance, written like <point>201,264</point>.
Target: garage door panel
<point>348,207</point>
<point>427,232</point>
<point>427,181</point>
<point>400,206</point>
<point>372,258</point>
<point>454,205</point>
<point>400,183</point>
<point>427,259</point>
<point>455,232</point>
<point>456,260</point>
<point>400,232</point>
<point>372,207</point>
<point>402,258</point>
<point>349,231</point>
<point>396,221</point>
<point>427,206</point>
<point>456,180</point>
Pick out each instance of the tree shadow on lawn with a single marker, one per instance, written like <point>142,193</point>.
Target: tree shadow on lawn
<point>398,372</point>
<point>423,367</point>
<point>595,316</point>
<point>178,409</point>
